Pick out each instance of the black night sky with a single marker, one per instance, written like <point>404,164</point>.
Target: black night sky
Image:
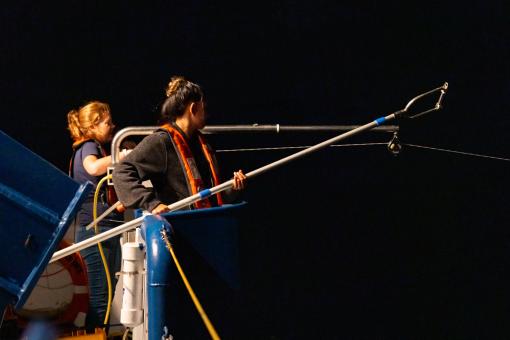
<point>347,243</point>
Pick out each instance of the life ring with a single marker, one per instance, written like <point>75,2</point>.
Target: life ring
<point>61,294</point>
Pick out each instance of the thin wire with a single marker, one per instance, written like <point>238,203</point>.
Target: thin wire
<point>457,152</point>
<point>371,144</point>
<point>295,147</point>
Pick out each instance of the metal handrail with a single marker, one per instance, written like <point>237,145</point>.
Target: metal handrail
<point>216,129</point>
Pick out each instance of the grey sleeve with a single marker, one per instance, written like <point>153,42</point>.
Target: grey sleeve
<point>147,161</point>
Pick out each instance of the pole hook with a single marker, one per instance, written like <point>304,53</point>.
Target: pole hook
<point>405,111</point>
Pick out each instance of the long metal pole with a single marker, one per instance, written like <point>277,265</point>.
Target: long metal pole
<point>228,184</point>
<point>277,128</point>
<point>212,191</point>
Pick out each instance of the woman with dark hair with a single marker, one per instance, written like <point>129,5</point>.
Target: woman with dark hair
<point>175,161</point>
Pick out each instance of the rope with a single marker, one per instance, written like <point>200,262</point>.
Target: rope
<point>56,287</point>
<point>64,266</point>
<point>198,306</point>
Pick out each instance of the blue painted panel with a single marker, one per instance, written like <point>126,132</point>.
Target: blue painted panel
<point>214,234</point>
<point>37,204</point>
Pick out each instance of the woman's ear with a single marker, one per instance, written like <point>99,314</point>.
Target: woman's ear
<point>193,108</point>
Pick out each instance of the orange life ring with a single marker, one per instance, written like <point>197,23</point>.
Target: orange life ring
<point>61,294</point>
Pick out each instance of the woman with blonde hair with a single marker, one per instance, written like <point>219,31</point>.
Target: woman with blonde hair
<point>91,128</point>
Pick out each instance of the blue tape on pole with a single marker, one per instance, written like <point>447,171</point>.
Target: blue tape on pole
<point>379,121</point>
<point>205,193</point>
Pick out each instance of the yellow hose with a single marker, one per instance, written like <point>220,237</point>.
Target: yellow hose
<point>212,332</point>
<point>100,247</point>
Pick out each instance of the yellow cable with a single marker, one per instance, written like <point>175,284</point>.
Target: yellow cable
<point>125,335</point>
<point>198,306</point>
<point>100,247</point>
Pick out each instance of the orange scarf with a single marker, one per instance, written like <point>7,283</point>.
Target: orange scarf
<point>192,173</point>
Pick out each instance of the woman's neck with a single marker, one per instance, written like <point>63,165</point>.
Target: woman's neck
<point>185,126</point>
<point>83,140</point>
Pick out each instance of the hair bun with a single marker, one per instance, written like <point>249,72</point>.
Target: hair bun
<point>175,83</point>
